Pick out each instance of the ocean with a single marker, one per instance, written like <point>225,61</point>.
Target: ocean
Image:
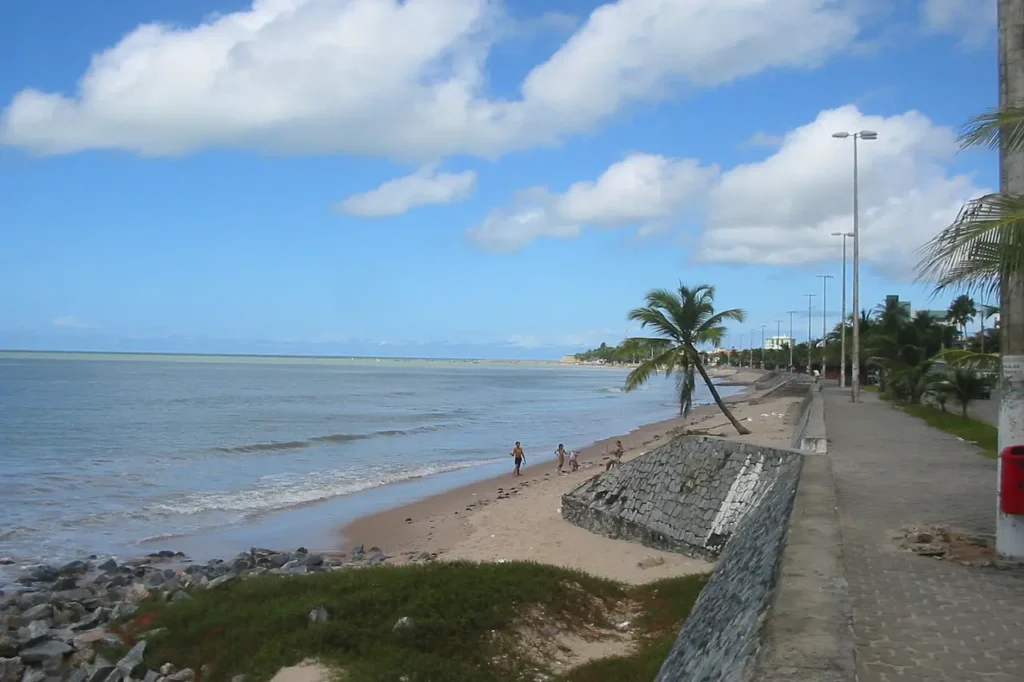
<point>119,454</point>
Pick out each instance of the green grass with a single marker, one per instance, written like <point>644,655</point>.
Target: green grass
<point>467,623</point>
<point>984,435</point>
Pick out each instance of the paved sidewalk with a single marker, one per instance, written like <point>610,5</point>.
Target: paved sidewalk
<point>914,617</point>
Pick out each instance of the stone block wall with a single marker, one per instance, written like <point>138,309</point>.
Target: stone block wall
<point>688,496</point>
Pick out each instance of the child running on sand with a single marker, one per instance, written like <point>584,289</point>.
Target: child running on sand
<point>517,453</point>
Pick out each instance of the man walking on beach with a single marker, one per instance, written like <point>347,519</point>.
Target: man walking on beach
<point>517,453</point>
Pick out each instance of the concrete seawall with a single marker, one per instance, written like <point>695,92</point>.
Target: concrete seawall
<point>777,606</point>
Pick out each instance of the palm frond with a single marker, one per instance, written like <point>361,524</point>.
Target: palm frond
<point>994,128</point>
<point>664,361</point>
<point>983,245</point>
<point>981,362</point>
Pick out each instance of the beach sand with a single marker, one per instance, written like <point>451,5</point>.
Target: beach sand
<point>519,518</point>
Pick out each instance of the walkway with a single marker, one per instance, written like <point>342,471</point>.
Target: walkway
<point>918,618</point>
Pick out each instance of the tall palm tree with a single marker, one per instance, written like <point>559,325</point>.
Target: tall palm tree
<point>961,311</point>
<point>681,321</point>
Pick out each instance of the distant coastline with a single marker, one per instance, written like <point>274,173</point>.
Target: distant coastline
<point>127,355</point>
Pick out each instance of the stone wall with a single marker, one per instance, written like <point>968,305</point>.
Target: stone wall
<point>688,496</point>
<point>720,639</point>
<point>809,434</point>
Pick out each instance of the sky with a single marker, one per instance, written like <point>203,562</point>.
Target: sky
<point>468,178</point>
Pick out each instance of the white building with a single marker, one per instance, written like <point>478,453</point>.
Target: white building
<point>778,342</point>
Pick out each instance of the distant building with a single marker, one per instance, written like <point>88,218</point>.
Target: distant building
<point>778,342</point>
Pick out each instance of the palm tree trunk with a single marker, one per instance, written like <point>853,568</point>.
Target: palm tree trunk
<point>1010,528</point>
<point>742,430</point>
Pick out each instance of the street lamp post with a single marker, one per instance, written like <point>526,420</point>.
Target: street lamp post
<point>810,297</point>
<point>824,313</point>
<point>762,345</point>
<point>752,332</point>
<point>855,379</point>
<point>842,347</point>
<point>792,339</point>
<point>778,338</point>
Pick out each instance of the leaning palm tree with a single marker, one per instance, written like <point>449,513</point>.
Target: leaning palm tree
<point>682,320</point>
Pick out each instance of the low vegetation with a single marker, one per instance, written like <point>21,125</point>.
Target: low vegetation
<point>439,621</point>
<point>984,435</point>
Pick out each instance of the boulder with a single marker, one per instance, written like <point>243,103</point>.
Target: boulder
<point>319,615</point>
<point>133,658</point>
<point>183,675</point>
<point>11,669</point>
<point>40,612</point>
<point>45,652</point>
<point>33,632</point>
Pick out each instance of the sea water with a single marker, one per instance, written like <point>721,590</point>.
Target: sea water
<point>103,453</point>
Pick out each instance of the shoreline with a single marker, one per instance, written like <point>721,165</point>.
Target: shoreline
<point>506,517</point>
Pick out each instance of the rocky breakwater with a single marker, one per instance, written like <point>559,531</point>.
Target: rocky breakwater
<point>56,625</point>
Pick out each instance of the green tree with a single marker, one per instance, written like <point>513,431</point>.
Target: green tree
<point>683,320</point>
<point>961,311</point>
<point>966,386</point>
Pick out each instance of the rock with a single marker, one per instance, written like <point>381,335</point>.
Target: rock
<point>33,675</point>
<point>403,623</point>
<point>217,582</point>
<point>84,639</point>
<point>33,632</point>
<point>651,562</point>
<point>45,651</point>
<point>63,634</point>
<point>924,538</point>
<point>79,595</point>
<point>123,610</point>
<point>314,560</point>
<point>106,673</point>
<point>319,615</point>
<point>11,669</point>
<point>8,645</point>
<point>136,593</point>
<point>133,658</point>
<point>74,568</point>
<point>180,595</point>
<point>279,560</point>
<point>77,675</point>
<point>108,565</point>
<point>240,678</point>
<point>623,626</point>
<point>6,561</point>
<point>183,675</point>
<point>150,676</point>
<point>38,574</point>
<point>167,669</point>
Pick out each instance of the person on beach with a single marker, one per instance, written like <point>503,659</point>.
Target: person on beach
<point>560,453</point>
<point>617,454</point>
<point>519,458</point>
<point>574,463</point>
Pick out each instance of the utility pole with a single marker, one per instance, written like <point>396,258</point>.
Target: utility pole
<point>778,337</point>
<point>810,297</point>
<point>842,346</point>
<point>824,312</point>
<point>1010,528</point>
<point>762,345</point>
<point>792,339</point>
<point>752,331</point>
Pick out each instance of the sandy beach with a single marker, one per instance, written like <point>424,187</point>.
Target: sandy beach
<point>507,517</point>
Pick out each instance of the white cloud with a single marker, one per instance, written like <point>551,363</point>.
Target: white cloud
<point>645,190</point>
<point>782,210</point>
<point>590,338</point>
<point>974,21</point>
<point>405,79</point>
<point>395,197</point>
<point>68,321</point>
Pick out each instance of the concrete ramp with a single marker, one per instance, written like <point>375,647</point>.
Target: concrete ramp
<point>687,496</point>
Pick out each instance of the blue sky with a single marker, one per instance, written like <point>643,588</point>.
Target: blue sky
<point>465,177</point>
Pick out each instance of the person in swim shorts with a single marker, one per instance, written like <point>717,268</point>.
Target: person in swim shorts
<point>519,458</point>
<point>617,456</point>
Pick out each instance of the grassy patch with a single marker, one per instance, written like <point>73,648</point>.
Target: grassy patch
<point>664,606</point>
<point>984,435</point>
<point>464,621</point>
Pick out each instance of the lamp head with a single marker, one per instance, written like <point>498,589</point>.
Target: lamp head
<point>841,136</point>
<point>868,135</point>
